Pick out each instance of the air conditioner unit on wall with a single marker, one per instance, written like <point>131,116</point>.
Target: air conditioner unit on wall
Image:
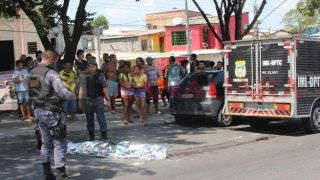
<point>205,45</point>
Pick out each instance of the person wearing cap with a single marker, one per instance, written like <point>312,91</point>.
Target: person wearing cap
<point>92,90</point>
<point>152,84</point>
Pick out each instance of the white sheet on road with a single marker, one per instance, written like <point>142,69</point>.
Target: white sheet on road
<point>121,150</point>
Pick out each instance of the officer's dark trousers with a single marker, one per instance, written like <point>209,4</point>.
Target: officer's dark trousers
<point>58,145</point>
<point>95,105</point>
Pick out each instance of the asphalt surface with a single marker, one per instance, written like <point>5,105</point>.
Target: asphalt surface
<point>197,150</point>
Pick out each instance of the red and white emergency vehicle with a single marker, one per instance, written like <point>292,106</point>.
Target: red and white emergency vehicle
<point>273,79</point>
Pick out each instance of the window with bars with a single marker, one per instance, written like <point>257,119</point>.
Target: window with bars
<point>178,38</point>
<point>32,47</point>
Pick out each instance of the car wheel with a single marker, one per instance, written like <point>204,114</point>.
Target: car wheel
<point>180,119</point>
<point>312,124</point>
<point>257,123</point>
<point>223,120</point>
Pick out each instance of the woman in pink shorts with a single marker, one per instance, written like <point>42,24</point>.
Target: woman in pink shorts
<point>127,92</point>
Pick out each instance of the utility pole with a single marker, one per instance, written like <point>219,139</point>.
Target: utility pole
<point>98,32</point>
<point>256,26</point>
<point>188,35</point>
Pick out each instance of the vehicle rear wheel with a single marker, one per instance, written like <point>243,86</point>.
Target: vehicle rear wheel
<point>312,124</point>
<point>258,123</point>
<point>180,119</point>
<point>223,120</point>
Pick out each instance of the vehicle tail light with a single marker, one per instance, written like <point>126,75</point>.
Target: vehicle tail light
<point>236,105</point>
<point>175,92</point>
<point>212,91</point>
<point>282,107</point>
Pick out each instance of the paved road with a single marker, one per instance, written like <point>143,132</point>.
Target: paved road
<point>196,151</point>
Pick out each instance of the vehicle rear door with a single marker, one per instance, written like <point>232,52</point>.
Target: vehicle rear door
<point>240,69</point>
<point>274,69</point>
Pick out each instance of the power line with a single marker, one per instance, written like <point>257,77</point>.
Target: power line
<point>272,11</point>
<point>27,20</point>
<point>146,2</point>
<point>126,23</point>
<point>126,7</point>
<point>123,5</point>
<point>134,6</point>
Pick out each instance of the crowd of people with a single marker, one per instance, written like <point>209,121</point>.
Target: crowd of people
<point>49,89</point>
<point>141,84</point>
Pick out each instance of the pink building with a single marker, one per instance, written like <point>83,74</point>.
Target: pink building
<point>201,36</point>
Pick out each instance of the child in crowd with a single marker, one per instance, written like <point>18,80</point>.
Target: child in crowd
<point>68,76</point>
<point>20,78</point>
<point>28,63</point>
<point>139,85</point>
<point>162,89</point>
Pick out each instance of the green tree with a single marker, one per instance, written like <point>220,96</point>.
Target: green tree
<point>46,14</point>
<point>309,7</point>
<point>296,22</point>
<point>100,21</point>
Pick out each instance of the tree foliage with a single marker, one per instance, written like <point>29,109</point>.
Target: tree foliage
<point>296,22</point>
<point>46,14</point>
<point>225,10</point>
<point>100,21</point>
<point>309,7</point>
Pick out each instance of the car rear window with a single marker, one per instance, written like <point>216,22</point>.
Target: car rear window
<point>202,79</point>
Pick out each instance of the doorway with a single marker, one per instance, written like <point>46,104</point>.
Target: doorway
<point>161,42</point>
<point>7,56</point>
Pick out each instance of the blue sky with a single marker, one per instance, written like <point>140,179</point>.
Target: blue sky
<point>128,13</point>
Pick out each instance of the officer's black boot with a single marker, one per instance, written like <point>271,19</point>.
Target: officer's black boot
<point>103,135</point>
<point>91,135</point>
<point>39,142</point>
<point>48,175</point>
<point>61,173</point>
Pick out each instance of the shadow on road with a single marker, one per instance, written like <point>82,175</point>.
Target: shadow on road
<point>20,160</point>
<point>156,134</point>
<point>283,128</point>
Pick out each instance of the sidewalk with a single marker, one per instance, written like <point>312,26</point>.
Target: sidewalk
<point>11,126</point>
